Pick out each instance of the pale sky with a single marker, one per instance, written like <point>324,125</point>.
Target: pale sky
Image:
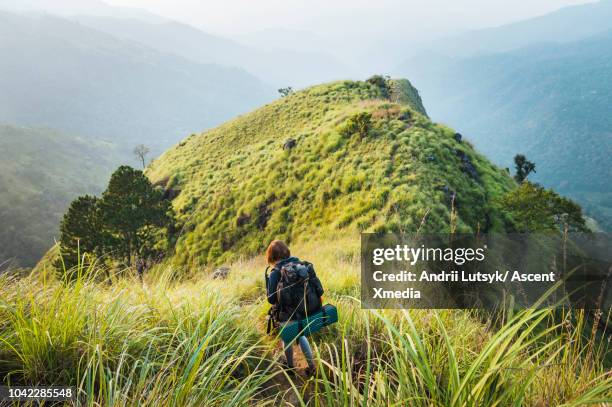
<point>333,18</point>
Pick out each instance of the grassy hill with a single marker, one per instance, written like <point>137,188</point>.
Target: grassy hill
<point>238,187</point>
<point>40,173</point>
<point>550,102</point>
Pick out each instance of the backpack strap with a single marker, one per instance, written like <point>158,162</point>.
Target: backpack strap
<point>278,292</point>
<point>271,320</point>
<point>269,327</point>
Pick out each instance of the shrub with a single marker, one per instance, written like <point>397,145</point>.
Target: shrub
<point>523,168</point>
<point>381,83</point>
<point>359,123</point>
<point>536,209</point>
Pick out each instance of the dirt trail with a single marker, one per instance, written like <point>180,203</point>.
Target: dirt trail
<point>284,388</point>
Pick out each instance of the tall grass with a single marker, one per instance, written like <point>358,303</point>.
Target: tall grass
<point>129,344</point>
<point>197,341</point>
<point>515,366</point>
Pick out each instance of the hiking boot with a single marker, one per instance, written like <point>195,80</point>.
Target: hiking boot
<point>289,369</point>
<point>310,371</point>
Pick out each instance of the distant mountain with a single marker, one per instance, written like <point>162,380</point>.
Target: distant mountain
<point>172,37</point>
<point>567,24</point>
<point>74,7</point>
<point>41,171</point>
<point>550,102</point>
<point>61,74</point>
<point>281,63</point>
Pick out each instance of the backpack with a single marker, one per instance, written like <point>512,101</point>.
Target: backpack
<point>298,292</point>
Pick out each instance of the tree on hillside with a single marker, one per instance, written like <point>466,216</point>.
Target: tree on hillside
<point>133,211</point>
<point>536,209</point>
<point>523,168</point>
<point>82,234</point>
<point>382,83</point>
<point>141,151</point>
<point>285,91</point>
<point>128,221</point>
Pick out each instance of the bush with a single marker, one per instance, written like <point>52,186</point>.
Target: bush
<point>359,123</point>
<point>536,209</point>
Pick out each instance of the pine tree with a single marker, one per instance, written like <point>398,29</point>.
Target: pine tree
<point>132,211</point>
<point>82,234</point>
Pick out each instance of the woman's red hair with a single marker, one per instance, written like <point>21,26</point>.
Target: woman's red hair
<point>277,251</point>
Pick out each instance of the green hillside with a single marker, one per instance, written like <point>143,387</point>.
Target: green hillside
<point>40,173</point>
<point>361,162</point>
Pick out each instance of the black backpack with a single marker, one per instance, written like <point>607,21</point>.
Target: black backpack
<point>298,291</point>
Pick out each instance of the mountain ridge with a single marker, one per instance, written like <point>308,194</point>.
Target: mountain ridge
<point>68,8</point>
<point>567,24</point>
<point>343,156</point>
<point>275,65</point>
<point>97,85</point>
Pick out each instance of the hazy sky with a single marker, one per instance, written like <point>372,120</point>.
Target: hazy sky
<point>365,34</point>
<point>336,17</point>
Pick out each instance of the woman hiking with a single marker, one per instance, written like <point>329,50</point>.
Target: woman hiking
<point>294,292</point>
